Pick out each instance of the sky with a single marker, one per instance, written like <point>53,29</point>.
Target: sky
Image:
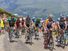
<point>50,6</point>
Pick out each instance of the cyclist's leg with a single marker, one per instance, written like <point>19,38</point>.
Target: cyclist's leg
<point>17,33</point>
<point>10,34</point>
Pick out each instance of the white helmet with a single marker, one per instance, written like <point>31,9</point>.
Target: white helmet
<point>51,15</point>
<point>58,19</point>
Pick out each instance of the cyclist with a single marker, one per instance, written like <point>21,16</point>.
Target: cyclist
<point>62,27</point>
<point>11,27</point>
<point>17,28</point>
<point>49,29</point>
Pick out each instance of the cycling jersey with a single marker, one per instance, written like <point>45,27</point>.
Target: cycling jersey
<point>12,22</point>
<point>46,21</point>
<point>62,25</point>
<point>49,25</point>
<point>28,21</point>
<point>1,23</point>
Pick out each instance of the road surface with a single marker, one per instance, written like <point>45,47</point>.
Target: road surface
<point>19,44</point>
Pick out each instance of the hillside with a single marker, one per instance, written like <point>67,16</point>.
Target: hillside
<point>3,11</point>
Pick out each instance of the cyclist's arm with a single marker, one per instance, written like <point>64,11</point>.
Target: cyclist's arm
<point>65,26</point>
<point>59,26</point>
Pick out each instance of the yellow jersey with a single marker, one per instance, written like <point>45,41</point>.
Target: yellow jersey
<point>1,23</point>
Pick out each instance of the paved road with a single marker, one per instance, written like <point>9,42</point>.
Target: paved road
<point>19,44</point>
<point>38,45</point>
